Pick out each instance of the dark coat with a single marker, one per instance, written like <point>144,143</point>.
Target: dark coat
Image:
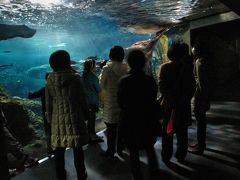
<point>137,94</point>
<point>204,81</point>
<point>177,85</point>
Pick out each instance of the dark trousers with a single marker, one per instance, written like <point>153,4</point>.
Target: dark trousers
<point>78,162</point>
<point>47,129</point>
<point>182,143</point>
<point>201,128</point>
<point>135,163</point>
<point>4,174</point>
<point>113,135</point>
<point>91,122</point>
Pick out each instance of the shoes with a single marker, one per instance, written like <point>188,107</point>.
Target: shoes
<point>195,150</point>
<point>180,157</point>
<point>12,172</point>
<point>120,153</point>
<point>181,160</point>
<point>83,176</point>
<point>166,161</point>
<point>193,145</point>
<point>95,138</point>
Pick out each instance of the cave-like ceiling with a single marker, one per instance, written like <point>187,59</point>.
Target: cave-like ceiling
<point>136,15</point>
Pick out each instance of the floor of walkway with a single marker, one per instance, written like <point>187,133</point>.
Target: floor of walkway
<point>221,160</point>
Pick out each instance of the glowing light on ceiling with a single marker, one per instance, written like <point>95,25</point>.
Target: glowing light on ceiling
<point>46,2</point>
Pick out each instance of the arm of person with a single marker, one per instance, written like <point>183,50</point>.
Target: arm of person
<point>49,104</point>
<point>36,94</point>
<point>122,95</point>
<point>203,79</point>
<point>103,77</point>
<point>96,84</point>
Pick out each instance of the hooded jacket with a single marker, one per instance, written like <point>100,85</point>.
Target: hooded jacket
<point>109,77</point>
<point>66,109</point>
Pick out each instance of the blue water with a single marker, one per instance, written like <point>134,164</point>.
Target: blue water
<point>91,38</point>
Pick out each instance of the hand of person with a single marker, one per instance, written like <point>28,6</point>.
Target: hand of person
<point>30,94</point>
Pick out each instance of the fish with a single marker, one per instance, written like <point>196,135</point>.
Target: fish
<point>7,51</point>
<point>12,31</point>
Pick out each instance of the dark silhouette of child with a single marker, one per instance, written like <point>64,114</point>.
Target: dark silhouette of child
<point>47,127</point>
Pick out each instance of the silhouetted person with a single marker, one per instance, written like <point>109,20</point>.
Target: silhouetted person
<point>4,173</point>
<point>15,148</point>
<point>47,127</point>
<point>177,85</point>
<point>137,94</point>
<point>102,93</point>
<point>67,111</point>
<point>111,73</point>
<point>102,64</point>
<point>92,87</point>
<point>203,76</point>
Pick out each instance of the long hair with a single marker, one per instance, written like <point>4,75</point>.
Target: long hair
<point>88,65</point>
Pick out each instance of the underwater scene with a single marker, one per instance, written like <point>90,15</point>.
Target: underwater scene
<point>24,63</point>
<point>77,28</point>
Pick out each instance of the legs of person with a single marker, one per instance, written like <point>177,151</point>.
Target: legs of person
<point>3,155</point>
<point>201,129</point>
<point>135,164</point>
<point>60,163</point>
<point>13,146</point>
<point>120,144</point>
<point>152,161</point>
<point>167,145</point>
<point>111,138</point>
<point>79,163</point>
<point>91,123</point>
<point>182,143</point>
<point>47,128</point>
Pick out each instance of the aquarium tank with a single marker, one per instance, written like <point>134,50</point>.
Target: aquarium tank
<point>86,29</point>
<point>24,61</point>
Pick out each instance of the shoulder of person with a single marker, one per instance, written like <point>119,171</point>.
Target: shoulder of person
<point>165,66</point>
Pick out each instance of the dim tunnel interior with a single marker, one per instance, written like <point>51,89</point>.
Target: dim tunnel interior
<point>88,29</point>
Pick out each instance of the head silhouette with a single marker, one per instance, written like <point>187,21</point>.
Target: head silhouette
<point>136,59</point>
<point>175,52</point>
<point>185,49</point>
<point>88,66</point>
<point>60,60</point>
<point>116,53</point>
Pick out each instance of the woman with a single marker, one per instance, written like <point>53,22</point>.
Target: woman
<point>67,111</point>
<point>91,84</point>
<point>177,85</point>
<point>109,77</point>
<point>137,94</point>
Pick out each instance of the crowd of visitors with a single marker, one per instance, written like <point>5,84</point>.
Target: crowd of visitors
<point>70,102</point>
